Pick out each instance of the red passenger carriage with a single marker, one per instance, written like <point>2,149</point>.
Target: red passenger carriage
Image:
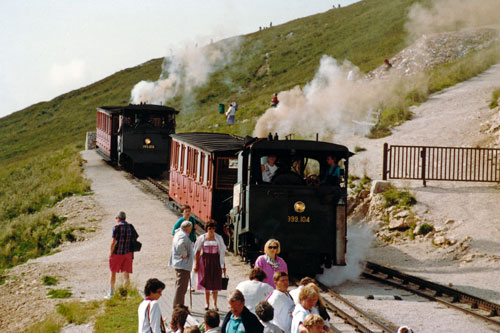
<point>203,170</point>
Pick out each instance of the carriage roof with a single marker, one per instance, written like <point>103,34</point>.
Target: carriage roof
<point>211,142</point>
<point>139,108</point>
<point>301,145</point>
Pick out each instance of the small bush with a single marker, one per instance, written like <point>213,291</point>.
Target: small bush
<point>425,228</point>
<point>59,293</point>
<point>52,324</point>
<point>49,280</point>
<point>358,149</point>
<point>394,197</point>
<point>77,312</point>
<point>494,98</point>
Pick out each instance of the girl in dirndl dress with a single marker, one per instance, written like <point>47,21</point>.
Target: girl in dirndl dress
<point>209,263</point>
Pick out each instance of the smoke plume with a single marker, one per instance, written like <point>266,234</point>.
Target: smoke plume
<point>452,15</point>
<point>359,241</point>
<point>185,69</point>
<point>338,100</point>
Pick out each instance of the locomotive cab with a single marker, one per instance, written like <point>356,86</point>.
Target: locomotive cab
<point>291,190</point>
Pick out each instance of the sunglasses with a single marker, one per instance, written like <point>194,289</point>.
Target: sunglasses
<point>273,247</point>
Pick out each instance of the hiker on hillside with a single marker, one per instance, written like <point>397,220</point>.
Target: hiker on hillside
<point>121,253</point>
<point>231,113</point>
<point>275,100</point>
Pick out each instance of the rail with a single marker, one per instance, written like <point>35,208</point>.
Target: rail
<point>441,163</point>
<point>450,297</point>
<point>373,325</point>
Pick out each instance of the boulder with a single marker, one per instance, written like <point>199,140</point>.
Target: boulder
<point>401,214</point>
<point>379,186</point>
<point>398,224</point>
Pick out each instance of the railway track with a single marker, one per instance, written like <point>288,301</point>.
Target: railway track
<point>450,297</point>
<point>347,317</point>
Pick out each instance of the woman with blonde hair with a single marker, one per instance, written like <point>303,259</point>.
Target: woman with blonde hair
<point>308,298</point>
<point>320,307</point>
<point>270,262</point>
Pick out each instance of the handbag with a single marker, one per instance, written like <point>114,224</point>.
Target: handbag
<point>136,246</point>
<point>225,281</point>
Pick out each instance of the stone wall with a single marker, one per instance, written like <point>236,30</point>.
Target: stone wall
<point>90,141</point>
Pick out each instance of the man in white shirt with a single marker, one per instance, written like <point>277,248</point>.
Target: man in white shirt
<point>282,302</point>
<point>254,289</point>
<point>269,168</point>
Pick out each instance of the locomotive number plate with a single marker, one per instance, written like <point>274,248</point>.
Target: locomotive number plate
<point>299,219</point>
<point>148,146</point>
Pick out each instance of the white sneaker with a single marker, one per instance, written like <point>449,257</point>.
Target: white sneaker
<point>108,296</point>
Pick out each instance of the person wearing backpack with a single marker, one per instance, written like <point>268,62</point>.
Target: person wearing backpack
<point>121,252</point>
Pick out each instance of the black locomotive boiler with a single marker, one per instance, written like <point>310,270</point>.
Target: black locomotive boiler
<point>136,137</point>
<point>307,215</point>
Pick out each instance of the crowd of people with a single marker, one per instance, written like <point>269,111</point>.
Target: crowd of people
<point>260,304</point>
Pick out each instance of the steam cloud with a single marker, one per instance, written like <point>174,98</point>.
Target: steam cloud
<point>360,238</point>
<point>338,100</point>
<point>452,15</point>
<point>186,69</point>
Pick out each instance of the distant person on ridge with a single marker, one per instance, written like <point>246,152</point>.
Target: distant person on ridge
<point>231,113</point>
<point>275,100</point>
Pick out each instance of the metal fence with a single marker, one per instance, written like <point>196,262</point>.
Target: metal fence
<point>441,163</point>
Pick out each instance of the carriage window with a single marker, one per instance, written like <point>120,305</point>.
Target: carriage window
<point>195,165</point>
<point>202,168</point>
<point>227,173</point>
<point>209,172</point>
<point>182,158</point>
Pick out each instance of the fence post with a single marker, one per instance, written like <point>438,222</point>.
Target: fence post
<point>423,155</point>
<point>384,163</point>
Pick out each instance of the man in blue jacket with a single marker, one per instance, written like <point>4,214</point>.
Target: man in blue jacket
<point>239,319</point>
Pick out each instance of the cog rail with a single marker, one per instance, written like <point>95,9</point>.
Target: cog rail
<point>351,315</point>
<point>450,297</point>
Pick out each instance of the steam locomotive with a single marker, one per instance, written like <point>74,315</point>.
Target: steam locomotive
<point>136,137</point>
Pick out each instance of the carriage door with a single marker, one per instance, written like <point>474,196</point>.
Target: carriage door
<point>112,129</point>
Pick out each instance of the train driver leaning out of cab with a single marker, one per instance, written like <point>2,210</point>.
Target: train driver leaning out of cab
<point>332,176</point>
<point>269,169</point>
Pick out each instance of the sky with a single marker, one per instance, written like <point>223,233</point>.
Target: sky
<point>50,47</point>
